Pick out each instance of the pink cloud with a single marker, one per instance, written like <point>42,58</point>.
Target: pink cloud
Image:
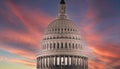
<point>30,18</point>
<point>13,36</point>
<point>25,62</point>
<point>94,65</point>
<point>104,55</point>
<point>33,20</point>
<point>20,52</point>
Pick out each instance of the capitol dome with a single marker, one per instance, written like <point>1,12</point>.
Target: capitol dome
<point>62,37</point>
<point>62,45</point>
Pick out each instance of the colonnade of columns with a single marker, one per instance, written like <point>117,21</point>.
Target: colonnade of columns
<point>64,61</point>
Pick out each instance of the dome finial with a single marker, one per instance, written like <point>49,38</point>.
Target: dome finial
<point>62,2</point>
<point>62,9</point>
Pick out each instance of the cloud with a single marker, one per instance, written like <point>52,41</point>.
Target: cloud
<point>104,54</point>
<point>99,49</point>
<point>18,60</point>
<point>3,58</point>
<point>25,62</point>
<point>20,52</point>
<point>23,42</point>
<point>26,43</point>
<point>33,20</point>
<point>93,65</point>
<point>103,8</point>
<point>25,38</point>
<point>105,57</point>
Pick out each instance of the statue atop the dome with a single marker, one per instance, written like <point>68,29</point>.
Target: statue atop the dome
<point>62,2</point>
<point>62,10</point>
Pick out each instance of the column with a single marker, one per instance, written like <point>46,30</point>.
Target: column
<point>77,61</point>
<point>45,62</point>
<point>41,62</point>
<point>81,62</point>
<point>70,60</point>
<point>38,62</point>
<point>48,62</point>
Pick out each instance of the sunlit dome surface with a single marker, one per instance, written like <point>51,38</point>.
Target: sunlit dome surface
<point>65,25</point>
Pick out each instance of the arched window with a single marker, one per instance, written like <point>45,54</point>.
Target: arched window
<point>76,46</point>
<point>68,29</point>
<point>62,29</point>
<point>58,29</point>
<point>65,45</point>
<point>73,45</point>
<point>54,46</point>
<point>69,45</point>
<point>61,45</point>
<point>65,29</point>
<point>50,45</point>
<point>57,45</point>
<point>55,29</point>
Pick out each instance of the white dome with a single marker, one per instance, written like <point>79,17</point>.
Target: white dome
<point>63,25</point>
<point>62,45</point>
<point>62,37</point>
<point>58,23</point>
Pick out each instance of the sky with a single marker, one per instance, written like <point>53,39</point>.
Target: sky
<point>23,23</point>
